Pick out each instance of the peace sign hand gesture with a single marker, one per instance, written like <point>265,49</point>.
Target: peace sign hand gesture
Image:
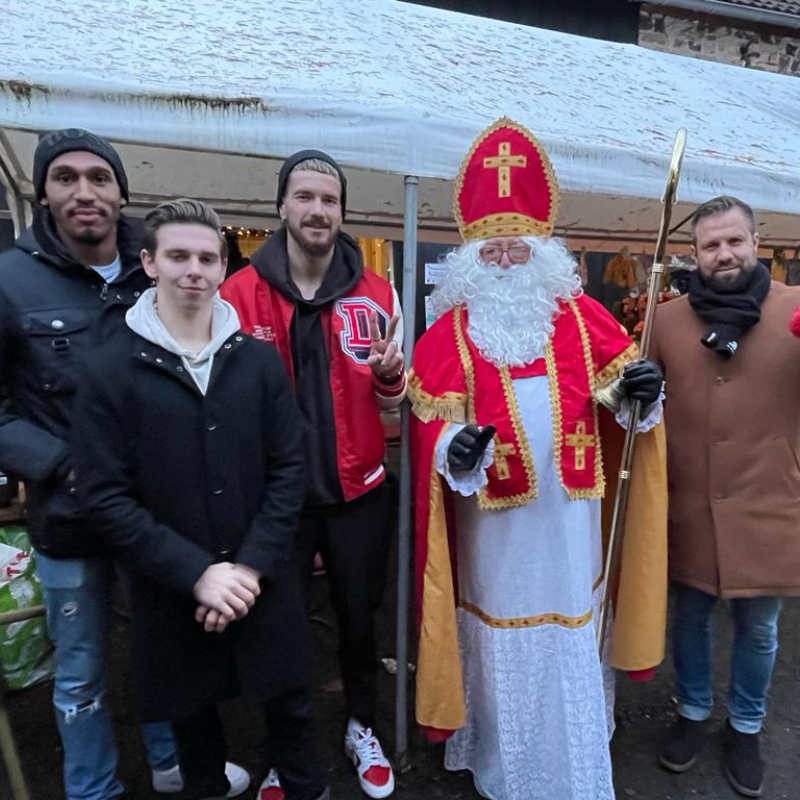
<point>385,358</point>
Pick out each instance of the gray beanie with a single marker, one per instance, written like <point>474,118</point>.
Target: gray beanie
<point>52,144</point>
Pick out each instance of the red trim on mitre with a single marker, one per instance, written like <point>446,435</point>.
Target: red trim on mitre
<point>506,185</point>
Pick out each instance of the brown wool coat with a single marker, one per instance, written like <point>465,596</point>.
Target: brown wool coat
<point>733,451</point>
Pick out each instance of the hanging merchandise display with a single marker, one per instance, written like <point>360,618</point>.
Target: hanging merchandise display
<point>680,271</point>
<point>641,266</point>
<point>793,269</point>
<point>583,269</point>
<point>777,266</point>
<point>248,240</point>
<point>634,304</point>
<point>621,270</point>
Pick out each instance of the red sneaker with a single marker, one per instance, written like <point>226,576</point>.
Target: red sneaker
<point>270,788</point>
<point>375,774</point>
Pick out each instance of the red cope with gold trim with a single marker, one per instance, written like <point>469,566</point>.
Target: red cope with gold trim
<point>588,348</point>
<point>506,185</point>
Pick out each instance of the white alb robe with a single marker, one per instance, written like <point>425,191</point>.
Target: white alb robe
<point>538,718</point>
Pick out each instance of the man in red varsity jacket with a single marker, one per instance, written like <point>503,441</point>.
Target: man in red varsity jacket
<point>338,329</point>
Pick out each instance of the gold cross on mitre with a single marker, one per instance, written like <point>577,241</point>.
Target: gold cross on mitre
<point>580,440</point>
<point>503,162</point>
<point>501,453</point>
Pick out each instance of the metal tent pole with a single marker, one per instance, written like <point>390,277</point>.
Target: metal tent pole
<point>404,526</point>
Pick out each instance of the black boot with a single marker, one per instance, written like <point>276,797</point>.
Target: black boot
<point>684,740</point>
<point>743,765</point>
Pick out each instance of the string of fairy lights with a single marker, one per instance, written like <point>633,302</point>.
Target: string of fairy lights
<point>248,239</point>
<point>377,252</point>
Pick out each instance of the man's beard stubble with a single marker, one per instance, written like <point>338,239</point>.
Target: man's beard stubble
<point>89,237</point>
<point>313,249</point>
<point>108,221</point>
<point>81,235</point>
<point>737,284</point>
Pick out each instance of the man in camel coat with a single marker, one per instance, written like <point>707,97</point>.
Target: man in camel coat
<point>732,369</point>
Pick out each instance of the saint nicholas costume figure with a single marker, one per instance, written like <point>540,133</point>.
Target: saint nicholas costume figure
<point>520,393</point>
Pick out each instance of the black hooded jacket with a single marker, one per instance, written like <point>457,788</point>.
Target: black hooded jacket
<point>310,354</point>
<point>53,309</point>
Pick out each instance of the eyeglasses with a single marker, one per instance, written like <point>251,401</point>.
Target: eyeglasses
<point>517,253</point>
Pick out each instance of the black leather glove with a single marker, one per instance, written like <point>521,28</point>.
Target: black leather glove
<point>642,381</point>
<point>468,446</point>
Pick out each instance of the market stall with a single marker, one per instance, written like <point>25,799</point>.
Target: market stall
<point>206,102</point>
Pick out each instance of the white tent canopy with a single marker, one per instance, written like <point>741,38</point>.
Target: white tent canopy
<point>205,100</point>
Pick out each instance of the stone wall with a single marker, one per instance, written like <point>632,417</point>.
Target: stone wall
<point>731,41</point>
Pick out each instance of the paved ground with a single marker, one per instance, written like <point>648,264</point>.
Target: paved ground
<point>643,711</point>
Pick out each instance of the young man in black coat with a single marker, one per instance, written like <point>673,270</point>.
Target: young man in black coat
<point>338,328</point>
<point>66,283</point>
<point>190,465</point>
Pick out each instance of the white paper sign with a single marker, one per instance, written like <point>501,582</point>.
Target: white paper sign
<point>429,317</point>
<point>433,273</point>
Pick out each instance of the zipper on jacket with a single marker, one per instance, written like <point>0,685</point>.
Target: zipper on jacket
<point>104,292</point>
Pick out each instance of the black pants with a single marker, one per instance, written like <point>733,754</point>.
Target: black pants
<point>291,749</point>
<point>353,540</point>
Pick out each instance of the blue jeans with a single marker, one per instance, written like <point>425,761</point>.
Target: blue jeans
<point>77,598</point>
<point>755,644</point>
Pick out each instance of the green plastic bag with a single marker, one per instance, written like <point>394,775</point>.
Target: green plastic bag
<point>25,650</point>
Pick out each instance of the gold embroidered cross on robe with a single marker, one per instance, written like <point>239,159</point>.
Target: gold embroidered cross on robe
<point>580,440</point>
<point>501,452</point>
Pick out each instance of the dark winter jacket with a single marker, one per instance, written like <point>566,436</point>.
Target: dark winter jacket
<point>53,309</point>
<point>176,481</point>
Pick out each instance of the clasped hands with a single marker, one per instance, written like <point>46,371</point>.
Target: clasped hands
<point>225,592</point>
<point>385,358</point>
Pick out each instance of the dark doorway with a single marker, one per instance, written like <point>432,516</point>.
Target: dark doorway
<point>612,20</point>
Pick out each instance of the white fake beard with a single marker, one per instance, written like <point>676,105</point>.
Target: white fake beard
<point>511,310</point>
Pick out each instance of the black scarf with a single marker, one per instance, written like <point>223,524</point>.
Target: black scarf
<point>729,314</point>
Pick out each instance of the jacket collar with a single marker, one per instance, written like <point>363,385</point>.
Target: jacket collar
<point>271,262</point>
<point>42,240</point>
<point>156,357</point>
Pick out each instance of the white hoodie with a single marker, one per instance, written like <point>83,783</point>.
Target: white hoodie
<point>143,319</point>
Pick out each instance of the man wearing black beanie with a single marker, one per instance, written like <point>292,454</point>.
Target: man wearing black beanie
<point>64,285</point>
<point>53,144</point>
<point>337,328</point>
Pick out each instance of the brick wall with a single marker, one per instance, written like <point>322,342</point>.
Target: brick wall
<point>718,39</point>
